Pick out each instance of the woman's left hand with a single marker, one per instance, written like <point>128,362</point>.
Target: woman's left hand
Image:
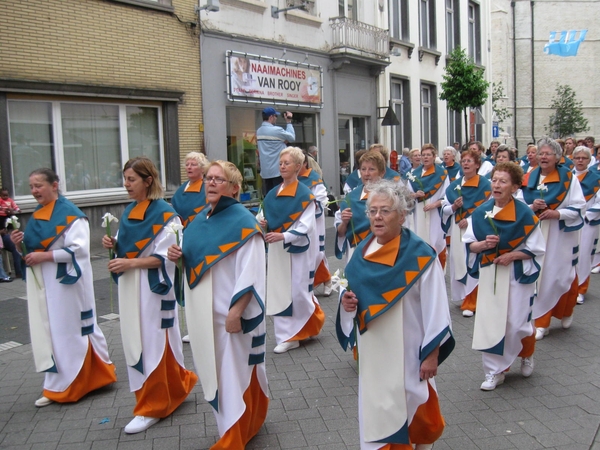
<point>233,322</point>
<point>273,237</point>
<point>505,259</point>
<point>33,258</point>
<point>463,224</point>
<point>549,214</point>
<point>429,365</point>
<point>119,265</point>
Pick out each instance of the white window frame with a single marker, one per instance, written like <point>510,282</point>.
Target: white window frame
<point>474,32</point>
<point>348,11</point>
<point>427,26</point>
<point>399,29</point>
<point>426,112</point>
<point>59,159</point>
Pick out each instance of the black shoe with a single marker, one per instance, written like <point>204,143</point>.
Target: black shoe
<point>6,280</point>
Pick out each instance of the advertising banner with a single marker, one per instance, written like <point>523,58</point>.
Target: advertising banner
<point>260,79</point>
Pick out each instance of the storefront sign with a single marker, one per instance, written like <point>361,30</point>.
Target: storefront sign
<point>260,79</point>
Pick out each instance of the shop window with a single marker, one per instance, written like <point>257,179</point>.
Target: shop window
<point>242,149</point>
<point>85,143</point>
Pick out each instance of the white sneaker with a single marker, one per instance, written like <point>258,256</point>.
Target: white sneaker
<point>468,313</point>
<point>596,269</point>
<point>328,289</point>
<point>580,299</point>
<point>527,366</point>
<point>43,401</point>
<point>286,346</point>
<point>423,446</point>
<point>139,424</point>
<point>540,333</point>
<point>491,381</point>
<point>566,322</point>
<point>186,339</point>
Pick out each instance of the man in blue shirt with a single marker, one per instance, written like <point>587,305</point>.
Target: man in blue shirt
<point>271,141</point>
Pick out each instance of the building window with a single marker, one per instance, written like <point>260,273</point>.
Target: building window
<point>474,33</point>
<point>401,136</point>
<point>348,9</point>
<point>454,127</point>
<point>428,114</point>
<point>452,25</point>
<point>399,29</point>
<point>85,143</point>
<point>427,24</point>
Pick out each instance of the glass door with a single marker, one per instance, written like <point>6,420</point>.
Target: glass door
<point>352,137</point>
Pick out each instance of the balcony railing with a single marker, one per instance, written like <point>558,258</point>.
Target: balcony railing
<point>351,34</point>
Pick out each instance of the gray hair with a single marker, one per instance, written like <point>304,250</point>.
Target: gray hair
<point>551,144</point>
<point>450,149</point>
<point>582,149</point>
<point>399,194</point>
<point>200,158</point>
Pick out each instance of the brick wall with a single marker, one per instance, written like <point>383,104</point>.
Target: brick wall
<point>101,42</point>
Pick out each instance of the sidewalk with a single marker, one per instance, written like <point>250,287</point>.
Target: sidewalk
<point>313,391</point>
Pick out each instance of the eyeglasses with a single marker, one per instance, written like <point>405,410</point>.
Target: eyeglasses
<point>216,180</point>
<point>383,212</point>
<point>581,157</point>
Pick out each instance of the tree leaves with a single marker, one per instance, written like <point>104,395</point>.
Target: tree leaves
<point>568,118</point>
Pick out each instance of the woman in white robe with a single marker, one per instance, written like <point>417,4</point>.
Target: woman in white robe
<point>66,341</point>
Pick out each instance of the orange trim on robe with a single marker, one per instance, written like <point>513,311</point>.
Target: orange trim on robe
<point>470,301</point>
<point>165,389</point>
<point>93,375</point>
<point>564,307</point>
<point>251,421</point>
<point>322,275</point>
<point>583,287</point>
<point>442,257</point>
<point>427,425</point>
<point>313,326</point>
<point>528,344</point>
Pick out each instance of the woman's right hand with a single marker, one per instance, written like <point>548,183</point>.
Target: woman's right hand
<point>174,253</point>
<point>108,241</point>
<point>349,301</point>
<point>346,215</point>
<point>17,237</point>
<point>457,203</point>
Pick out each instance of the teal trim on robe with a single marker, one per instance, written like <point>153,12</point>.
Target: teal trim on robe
<point>230,225</point>
<point>454,171</point>
<point>473,196</point>
<point>353,180</point>
<point>359,227</point>
<point>189,204</point>
<point>430,183</point>
<point>511,233</point>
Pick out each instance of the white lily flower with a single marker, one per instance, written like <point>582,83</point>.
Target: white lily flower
<point>260,215</point>
<point>108,218</point>
<point>410,176</point>
<point>542,187</point>
<point>458,188</point>
<point>489,214</point>
<point>338,281</point>
<point>14,221</point>
<point>174,228</point>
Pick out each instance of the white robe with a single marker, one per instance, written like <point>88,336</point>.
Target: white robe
<point>65,303</point>
<point>588,238</point>
<point>425,315</point>
<point>298,283</point>
<point>230,351</point>
<point>520,301</point>
<point>153,337</point>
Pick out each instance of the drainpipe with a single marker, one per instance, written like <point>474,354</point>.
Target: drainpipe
<point>532,3</point>
<point>512,5</point>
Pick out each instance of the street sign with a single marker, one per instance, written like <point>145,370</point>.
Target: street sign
<point>495,130</point>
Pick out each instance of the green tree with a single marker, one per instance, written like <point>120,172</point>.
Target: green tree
<point>463,86</point>
<point>501,112</point>
<point>567,119</point>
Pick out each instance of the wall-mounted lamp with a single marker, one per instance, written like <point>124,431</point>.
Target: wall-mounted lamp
<point>396,51</point>
<point>389,119</point>
<point>211,5</point>
<point>275,11</point>
<point>338,64</point>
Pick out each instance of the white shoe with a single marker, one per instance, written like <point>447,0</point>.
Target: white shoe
<point>186,339</point>
<point>566,322</point>
<point>491,381</point>
<point>596,269</point>
<point>139,424</point>
<point>286,346</point>
<point>540,333</point>
<point>423,446</point>
<point>580,299</point>
<point>43,401</point>
<point>328,289</point>
<point>468,313</point>
<point>527,366</point>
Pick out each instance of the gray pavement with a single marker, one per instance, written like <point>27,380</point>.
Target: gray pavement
<point>313,391</point>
